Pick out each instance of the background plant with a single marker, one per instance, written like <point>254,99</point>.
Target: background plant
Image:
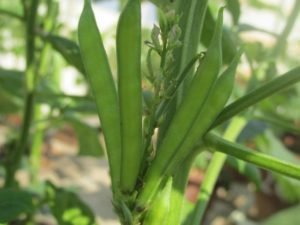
<point>172,63</point>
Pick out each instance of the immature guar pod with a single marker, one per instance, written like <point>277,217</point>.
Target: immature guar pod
<point>186,114</point>
<point>101,81</point>
<point>130,92</point>
<point>213,105</point>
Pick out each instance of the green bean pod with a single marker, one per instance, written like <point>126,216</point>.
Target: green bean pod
<point>211,109</point>
<point>184,118</point>
<point>130,92</point>
<point>101,81</point>
<point>159,210</point>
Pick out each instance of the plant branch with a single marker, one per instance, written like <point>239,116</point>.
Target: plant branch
<point>262,160</point>
<point>258,94</point>
<point>11,14</point>
<point>13,165</point>
<point>212,173</point>
<point>280,43</point>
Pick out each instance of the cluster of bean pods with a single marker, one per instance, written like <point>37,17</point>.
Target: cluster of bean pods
<point>120,111</point>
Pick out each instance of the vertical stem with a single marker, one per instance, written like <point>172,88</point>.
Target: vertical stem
<point>43,68</point>
<point>213,171</point>
<point>36,147</point>
<point>286,30</point>
<point>13,165</point>
<point>192,14</point>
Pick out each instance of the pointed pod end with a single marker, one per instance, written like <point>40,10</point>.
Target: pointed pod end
<point>237,57</point>
<point>220,16</point>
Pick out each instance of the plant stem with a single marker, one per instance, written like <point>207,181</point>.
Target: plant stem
<point>259,159</point>
<point>213,171</point>
<point>15,161</point>
<point>279,45</point>
<point>13,165</point>
<point>178,190</point>
<point>274,86</point>
<point>192,16</point>
<point>36,147</point>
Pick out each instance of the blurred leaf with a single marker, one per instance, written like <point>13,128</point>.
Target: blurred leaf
<point>274,86</point>
<point>67,208</point>
<point>12,81</point>
<point>278,122</point>
<point>201,161</point>
<point>288,216</point>
<point>261,5</point>
<point>255,51</point>
<point>248,170</point>
<point>13,203</point>
<point>163,3</point>
<point>148,98</point>
<point>11,90</point>
<point>234,8</point>
<point>286,103</point>
<point>9,103</point>
<point>68,49</point>
<point>87,137</point>
<point>288,188</point>
<point>187,212</point>
<point>248,27</point>
<point>67,103</point>
<point>251,130</point>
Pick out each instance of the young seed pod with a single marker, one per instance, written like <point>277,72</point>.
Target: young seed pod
<point>186,114</point>
<point>101,81</point>
<point>130,92</point>
<point>215,102</point>
<point>159,210</point>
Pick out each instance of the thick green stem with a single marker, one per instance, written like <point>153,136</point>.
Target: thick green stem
<point>213,171</point>
<point>259,159</point>
<point>36,147</point>
<point>178,190</point>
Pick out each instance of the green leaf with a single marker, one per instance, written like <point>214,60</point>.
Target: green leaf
<point>246,169</point>
<point>262,160</point>
<point>163,3</point>
<point>265,5</point>
<point>87,137</point>
<point>288,188</point>
<point>67,208</point>
<point>234,8</point>
<point>12,82</point>
<point>9,103</point>
<point>11,90</point>
<point>13,203</point>
<point>247,27</point>
<point>258,94</point>
<point>68,49</point>
<point>288,216</point>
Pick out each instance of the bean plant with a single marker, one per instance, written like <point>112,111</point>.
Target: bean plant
<point>154,123</point>
<point>150,155</point>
